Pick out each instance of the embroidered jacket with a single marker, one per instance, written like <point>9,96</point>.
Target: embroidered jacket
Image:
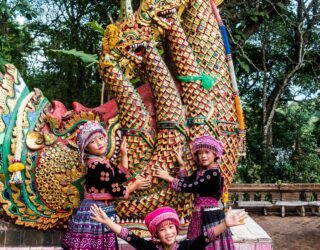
<point>205,183</point>
<point>143,244</point>
<point>103,181</point>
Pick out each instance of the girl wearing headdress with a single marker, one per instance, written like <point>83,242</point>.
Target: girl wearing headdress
<point>104,183</point>
<point>164,225</point>
<point>207,185</point>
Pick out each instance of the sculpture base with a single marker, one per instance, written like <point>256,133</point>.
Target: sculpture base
<point>247,237</point>
<point>251,236</point>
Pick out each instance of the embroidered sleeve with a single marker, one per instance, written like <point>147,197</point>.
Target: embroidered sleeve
<point>135,241</point>
<point>211,235</point>
<point>210,178</point>
<point>175,184</point>
<point>121,173</point>
<point>182,176</point>
<point>123,233</point>
<point>182,173</point>
<point>102,178</point>
<point>123,170</point>
<point>198,243</point>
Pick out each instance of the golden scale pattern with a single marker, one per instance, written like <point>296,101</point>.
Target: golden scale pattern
<point>166,94</point>
<point>58,167</point>
<point>208,47</point>
<point>168,103</point>
<point>133,117</point>
<point>40,215</point>
<point>194,95</point>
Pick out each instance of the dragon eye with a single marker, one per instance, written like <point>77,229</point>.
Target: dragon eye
<point>130,37</point>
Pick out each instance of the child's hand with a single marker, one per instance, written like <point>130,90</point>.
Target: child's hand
<point>123,147</point>
<point>98,214</point>
<point>235,218</point>
<point>178,154</point>
<point>141,183</point>
<point>163,174</point>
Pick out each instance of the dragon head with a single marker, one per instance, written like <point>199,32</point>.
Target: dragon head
<point>133,40</point>
<point>124,44</point>
<point>162,12</point>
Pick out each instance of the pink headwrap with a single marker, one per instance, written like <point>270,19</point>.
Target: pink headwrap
<point>153,219</point>
<point>85,135</point>
<point>207,142</point>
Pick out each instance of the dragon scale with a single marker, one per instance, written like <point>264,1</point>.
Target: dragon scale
<point>208,46</point>
<point>134,119</point>
<point>199,105</point>
<point>170,134</point>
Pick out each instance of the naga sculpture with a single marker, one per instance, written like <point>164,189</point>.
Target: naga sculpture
<point>40,173</point>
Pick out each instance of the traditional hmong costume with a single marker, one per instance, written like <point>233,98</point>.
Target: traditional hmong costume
<point>208,187</point>
<point>154,219</point>
<point>103,183</point>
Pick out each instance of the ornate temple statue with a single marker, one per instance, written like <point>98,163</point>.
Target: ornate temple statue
<point>41,176</point>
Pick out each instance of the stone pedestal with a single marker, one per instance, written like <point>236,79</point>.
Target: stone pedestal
<point>251,236</point>
<point>16,237</point>
<point>247,237</point>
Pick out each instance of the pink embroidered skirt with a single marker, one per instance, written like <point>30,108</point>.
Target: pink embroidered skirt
<point>85,233</point>
<point>207,214</point>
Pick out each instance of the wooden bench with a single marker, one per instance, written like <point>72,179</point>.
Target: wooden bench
<point>315,207</point>
<point>297,195</point>
<point>300,205</point>
<point>255,197</point>
<point>254,204</point>
<point>269,197</point>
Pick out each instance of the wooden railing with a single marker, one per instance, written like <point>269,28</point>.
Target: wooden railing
<point>274,192</point>
<point>270,196</point>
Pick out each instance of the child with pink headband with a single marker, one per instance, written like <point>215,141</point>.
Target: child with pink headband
<point>207,185</point>
<point>104,183</point>
<point>163,225</point>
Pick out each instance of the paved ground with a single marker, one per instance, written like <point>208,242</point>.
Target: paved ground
<point>291,232</point>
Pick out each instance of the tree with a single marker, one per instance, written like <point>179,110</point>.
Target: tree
<point>63,25</point>
<point>15,40</point>
<point>275,46</point>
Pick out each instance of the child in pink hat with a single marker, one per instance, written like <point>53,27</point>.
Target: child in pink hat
<point>163,225</point>
<point>207,185</point>
<point>104,183</point>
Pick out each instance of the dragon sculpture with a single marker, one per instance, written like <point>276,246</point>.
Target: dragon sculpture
<point>191,92</point>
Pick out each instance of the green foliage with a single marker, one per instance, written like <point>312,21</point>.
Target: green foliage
<point>96,26</point>
<point>296,159</point>
<point>265,41</point>
<point>74,28</point>
<point>244,65</point>
<point>15,39</point>
<point>248,172</point>
<point>86,58</point>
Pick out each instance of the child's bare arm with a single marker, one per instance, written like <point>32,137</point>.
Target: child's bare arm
<point>124,153</point>
<point>163,174</point>
<point>138,243</point>
<point>233,218</point>
<point>100,216</point>
<point>178,154</point>
<point>138,184</point>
